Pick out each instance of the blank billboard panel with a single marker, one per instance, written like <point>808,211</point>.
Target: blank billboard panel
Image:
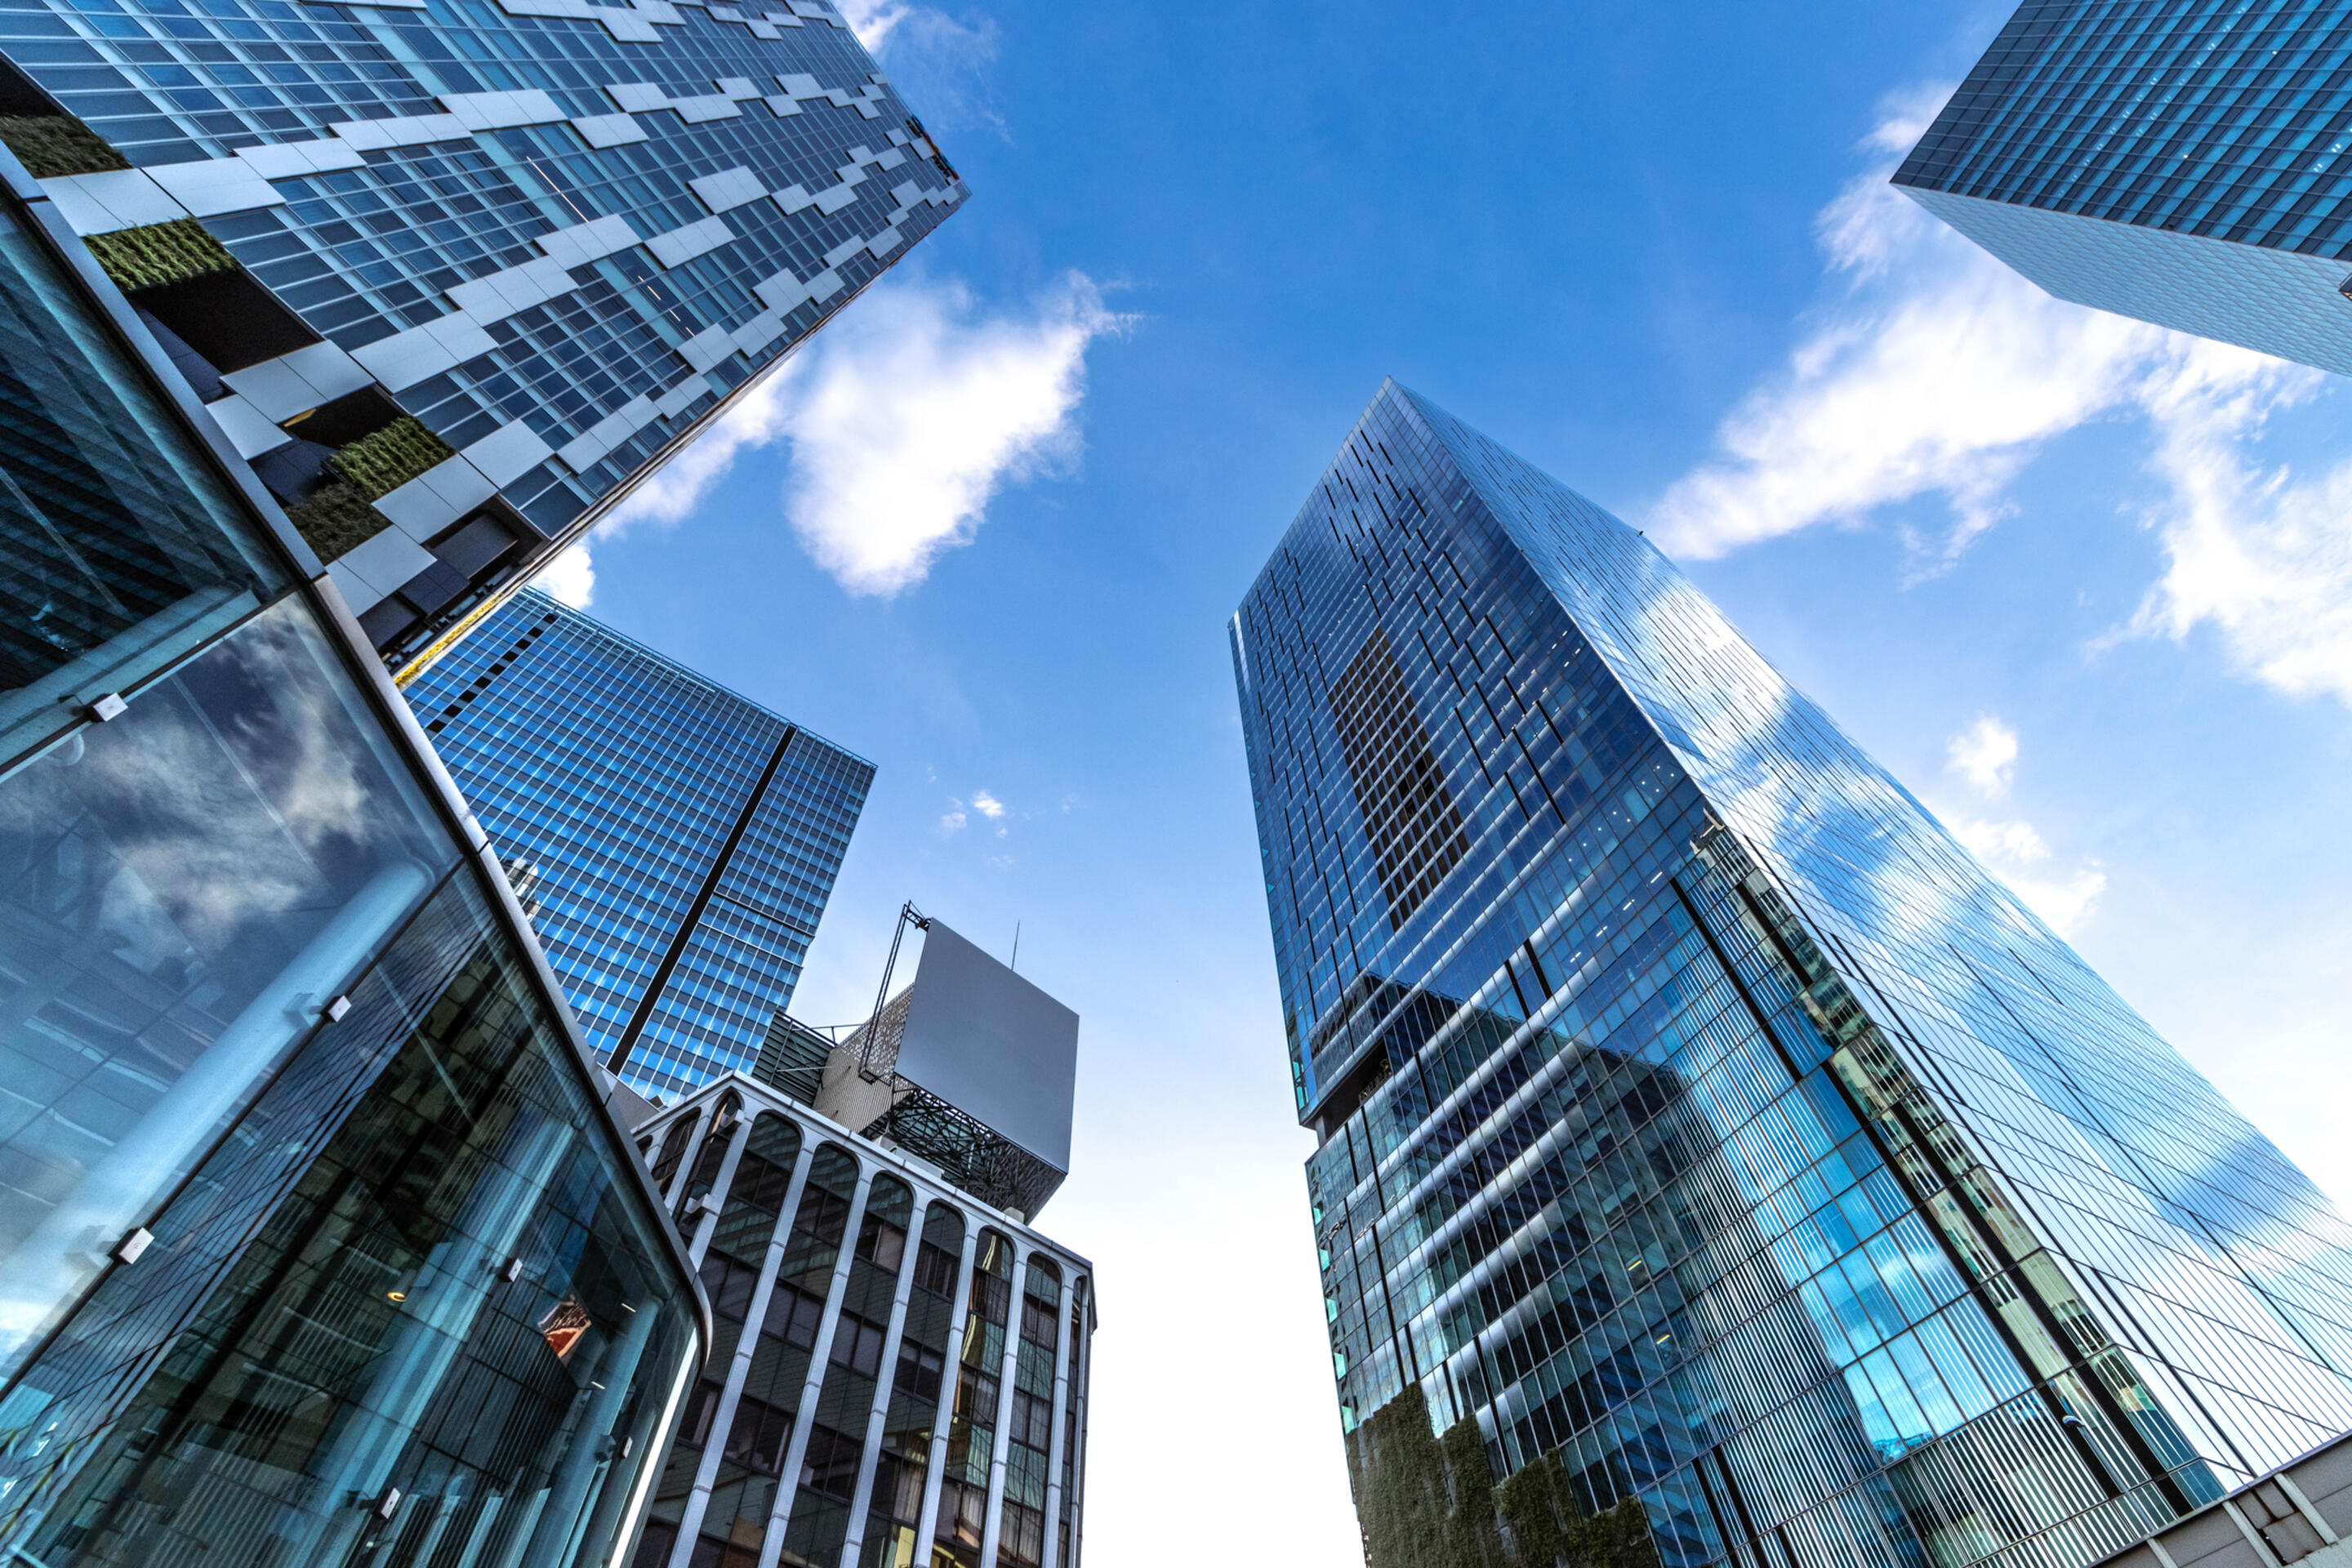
<point>992,1045</point>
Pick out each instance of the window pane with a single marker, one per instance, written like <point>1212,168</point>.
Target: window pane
<point>183,890</point>
<point>339,1278</point>
<point>118,550</point>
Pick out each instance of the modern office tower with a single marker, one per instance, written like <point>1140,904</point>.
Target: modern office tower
<point>317,1244</point>
<point>678,842</point>
<point>456,277</point>
<point>2187,161</point>
<point>917,1396</point>
<point>1691,1107</point>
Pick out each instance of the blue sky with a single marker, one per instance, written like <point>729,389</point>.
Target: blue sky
<point>2082,585</point>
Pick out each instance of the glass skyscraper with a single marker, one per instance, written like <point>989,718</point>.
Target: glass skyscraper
<point>1692,1106</point>
<point>455,274</point>
<point>2186,162</point>
<point>317,1242</point>
<point>676,843</point>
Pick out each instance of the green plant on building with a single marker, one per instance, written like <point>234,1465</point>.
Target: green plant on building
<point>1427,1501</point>
<point>382,461</point>
<point>338,518</point>
<point>154,254</point>
<point>51,146</point>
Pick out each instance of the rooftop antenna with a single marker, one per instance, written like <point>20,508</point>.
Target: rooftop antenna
<point>1015,965</point>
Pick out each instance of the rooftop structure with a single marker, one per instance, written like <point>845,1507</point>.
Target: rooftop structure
<point>970,1068</point>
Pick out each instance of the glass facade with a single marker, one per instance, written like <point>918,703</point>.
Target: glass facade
<point>122,548</point>
<point>316,1243</point>
<point>1692,1106</point>
<point>2221,130</point>
<point>412,1312</point>
<point>898,1373</point>
<point>556,236</point>
<point>675,843</point>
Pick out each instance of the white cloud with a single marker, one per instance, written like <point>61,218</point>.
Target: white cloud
<point>2016,852</point>
<point>891,26</point>
<point>570,578</point>
<point>938,61</point>
<point>914,415</point>
<point>2016,843</point>
<point>1936,372</point>
<point>904,418</point>
<point>874,20</point>
<point>987,804</point>
<point>2264,556</point>
<point>1985,754</point>
<point>954,819</point>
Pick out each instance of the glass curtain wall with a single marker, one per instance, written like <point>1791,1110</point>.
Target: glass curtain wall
<point>121,548</point>
<point>1704,1122</point>
<point>972,1431</point>
<point>894,1512</point>
<point>183,890</point>
<point>184,886</point>
<point>835,1444</point>
<point>443,1332</point>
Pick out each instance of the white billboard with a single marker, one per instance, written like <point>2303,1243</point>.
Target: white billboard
<point>992,1045</point>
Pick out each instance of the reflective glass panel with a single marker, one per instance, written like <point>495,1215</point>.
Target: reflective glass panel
<point>119,550</point>
<point>1696,1120</point>
<point>183,891</point>
<point>431,1318</point>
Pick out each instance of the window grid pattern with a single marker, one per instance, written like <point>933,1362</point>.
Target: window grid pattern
<point>2221,118</point>
<point>1644,1138</point>
<point>612,782</point>
<point>1416,834</point>
<point>363,253</point>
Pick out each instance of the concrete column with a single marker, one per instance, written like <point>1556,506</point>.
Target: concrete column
<point>706,1474</point>
<point>927,1528</point>
<point>861,1500</point>
<point>988,1540</point>
<point>720,1180</point>
<point>1064,1348</point>
<point>686,1161</point>
<point>1082,1394</point>
<point>804,1417</point>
